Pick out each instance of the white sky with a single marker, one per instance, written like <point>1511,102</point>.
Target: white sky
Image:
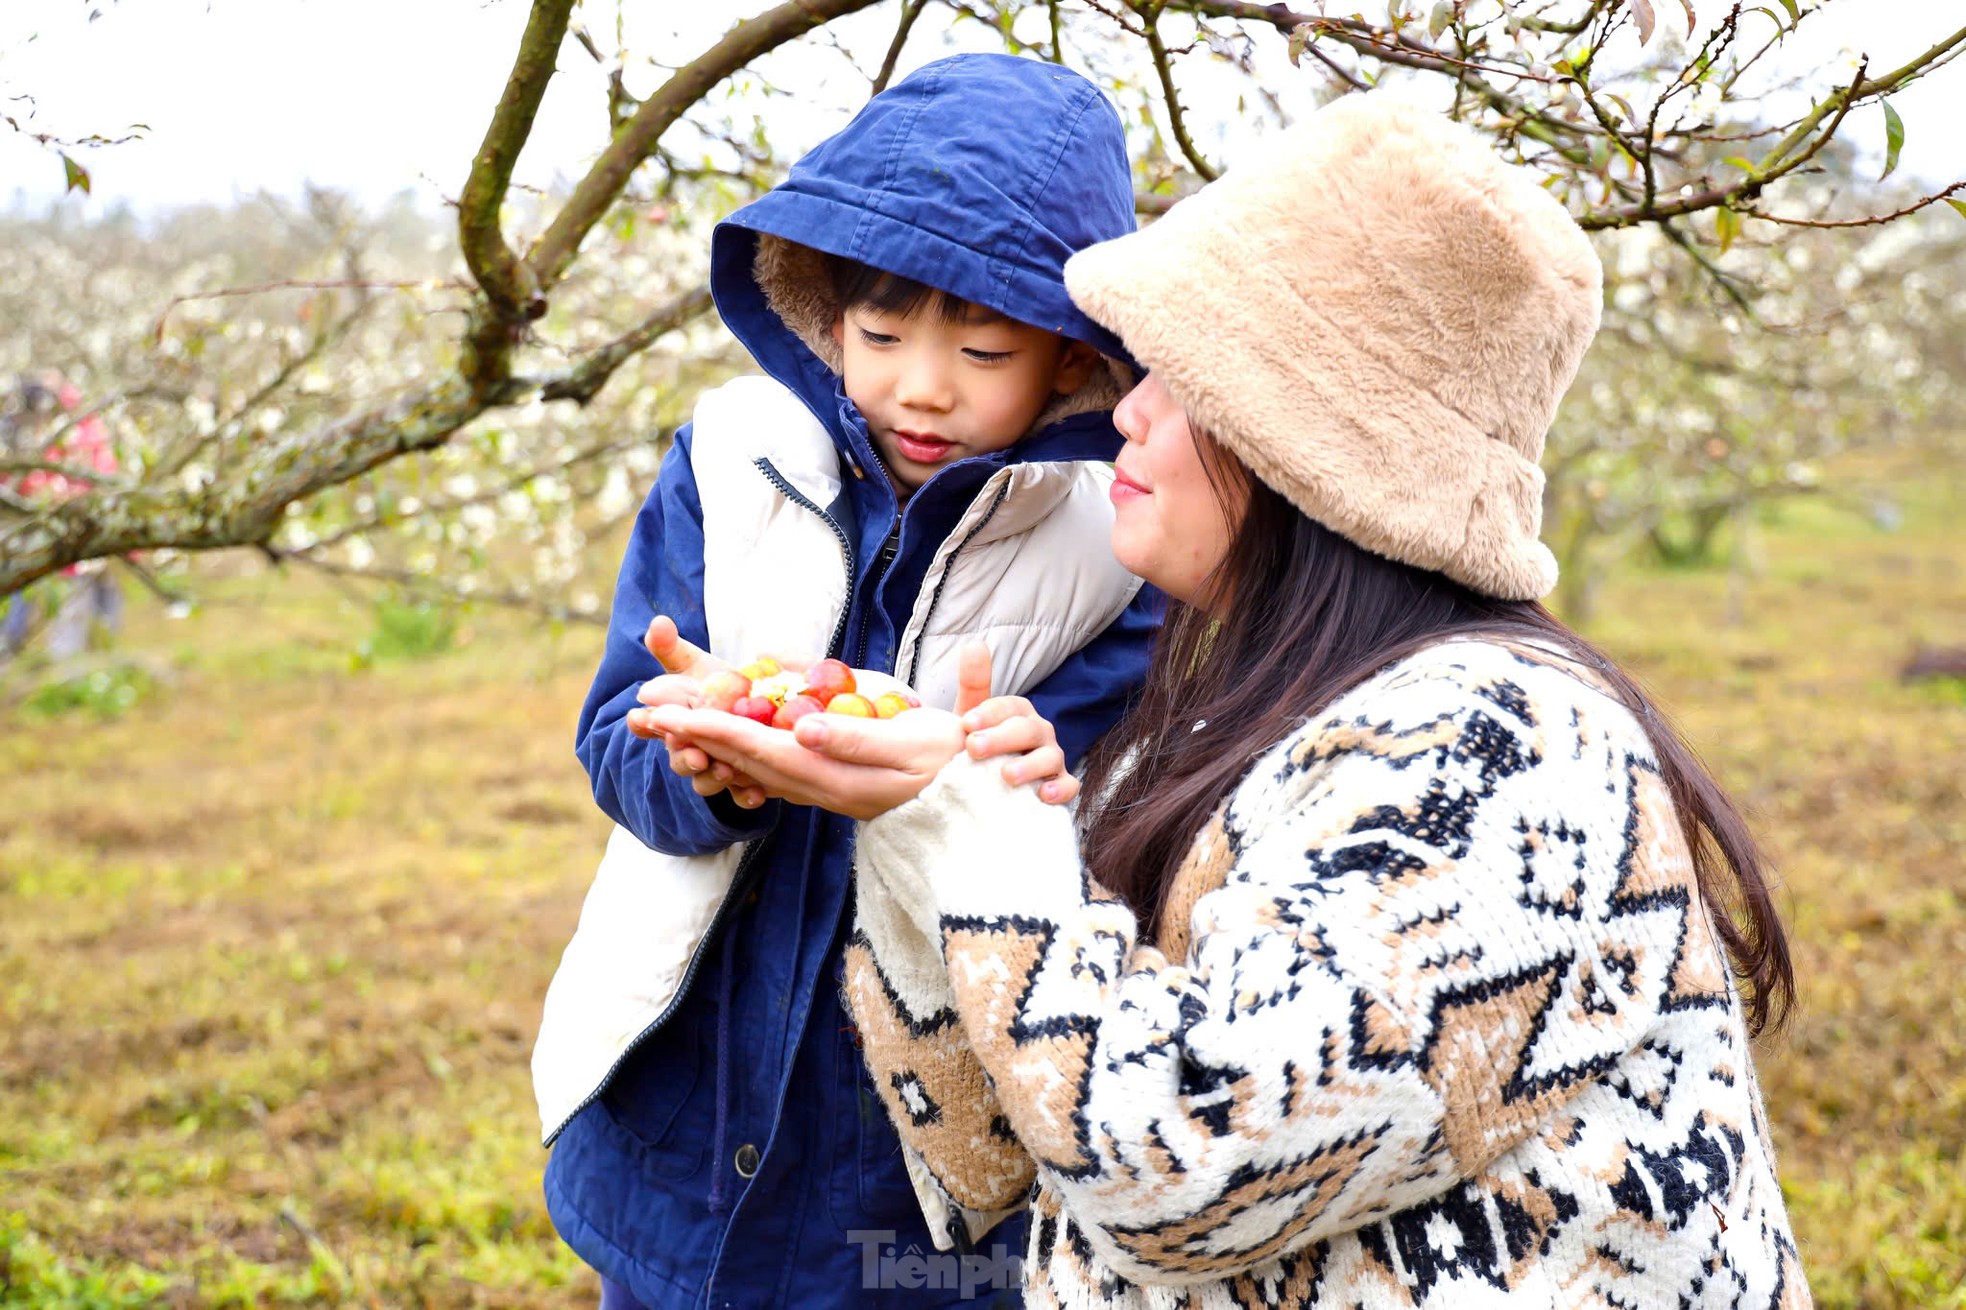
<point>375,96</point>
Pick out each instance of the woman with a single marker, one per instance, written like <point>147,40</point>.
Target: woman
<point>1403,955</point>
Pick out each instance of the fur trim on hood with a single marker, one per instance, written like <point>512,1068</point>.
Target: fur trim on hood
<point>977,174</point>
<point>1379,318</point>
<point>799,290</point>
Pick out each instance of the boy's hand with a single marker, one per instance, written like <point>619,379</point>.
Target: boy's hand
<point>863,767</point>
<point>1011,725</point>
<point>686,665</point>
<point>866,768</point>
<point>679,656</point>
<point>858,767</point>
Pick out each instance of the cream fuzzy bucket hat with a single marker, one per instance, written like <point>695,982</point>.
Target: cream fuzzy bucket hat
<point>1378,317</point>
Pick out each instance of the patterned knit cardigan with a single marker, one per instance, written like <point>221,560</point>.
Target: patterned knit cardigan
<point>1439,1020</point>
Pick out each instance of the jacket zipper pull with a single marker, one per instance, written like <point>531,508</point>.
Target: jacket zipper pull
<point>889,549</point>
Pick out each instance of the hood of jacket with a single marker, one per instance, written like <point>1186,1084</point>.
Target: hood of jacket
<point>979,175</point>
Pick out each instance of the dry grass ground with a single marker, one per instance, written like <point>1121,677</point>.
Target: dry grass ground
<point>272,942</point>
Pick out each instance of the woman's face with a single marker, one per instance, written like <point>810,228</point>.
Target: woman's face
<point>1169,524</point>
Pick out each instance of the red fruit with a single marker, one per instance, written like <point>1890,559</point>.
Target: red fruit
<point>725,688</point>
<point>758,709</point>
<point>891,703</point>
<point>850,702</point>
<point>795,709</point>
<point>827,679</point>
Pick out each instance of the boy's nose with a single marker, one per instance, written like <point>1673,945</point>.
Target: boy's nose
<point>922,384</point>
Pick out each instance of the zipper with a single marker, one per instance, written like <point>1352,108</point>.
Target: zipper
<point>882,561</point>
<point>915,665</point>
<point>879,465</point>
<point>835,643</point>
<point>746,863</point>
<point>889,549</point>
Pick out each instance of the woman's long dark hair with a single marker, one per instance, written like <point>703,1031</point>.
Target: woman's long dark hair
<point>1304,616</point>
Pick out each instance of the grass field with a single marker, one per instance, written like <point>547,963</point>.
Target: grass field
<point>273,938</point>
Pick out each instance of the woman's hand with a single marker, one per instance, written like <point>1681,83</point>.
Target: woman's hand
<point>1011,725</point>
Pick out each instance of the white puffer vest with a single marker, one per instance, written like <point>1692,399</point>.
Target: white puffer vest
<point>1028,569</point>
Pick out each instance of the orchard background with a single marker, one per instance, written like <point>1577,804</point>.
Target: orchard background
<point>285,866</point>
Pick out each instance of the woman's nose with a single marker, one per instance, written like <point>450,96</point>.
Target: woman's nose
<point>1130,415</point>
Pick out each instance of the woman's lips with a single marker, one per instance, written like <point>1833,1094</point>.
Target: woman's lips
<point>1125,488</point>
<point>923,447</point>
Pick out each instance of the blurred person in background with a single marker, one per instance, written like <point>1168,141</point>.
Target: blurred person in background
<point>36,425</point>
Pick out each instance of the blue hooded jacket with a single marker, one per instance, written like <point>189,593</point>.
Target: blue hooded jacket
<point>739,1156</point>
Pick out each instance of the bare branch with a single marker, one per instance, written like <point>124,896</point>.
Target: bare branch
<point>432,509</point>
<point>74,420</point>
<point>1385,43</point>
<point>910,11</point>
<point>554,251</point>
<point>508,282</point>
<point>245,511</point>
<point>1778,163</point>
<point>1871,221</point>
<point>1149,11</point>
<point>1590,16</point>
<point>73,472</point>
<point>326,284</point>
<point>621,105</point>
<point>1713,271</point>
<point>430,585</point>
<point>1118,16</point>
<point>581,382</point>
<point>153,584</point>
<point>1344,75</point>
<point>322,343</point>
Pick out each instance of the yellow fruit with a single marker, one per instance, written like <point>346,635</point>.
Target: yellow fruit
<point>851,702</point>
<point>890,703</point>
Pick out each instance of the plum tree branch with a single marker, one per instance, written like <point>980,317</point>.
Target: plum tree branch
<point>72,472</point>
<point>553,253</point>
<point>243,510</point>
<point>581,382</point>
<point>1149,12</point>
<point>491,495</point>
<point>427,585</point>
<point>508,281</point>
<point>621,105</point>
<point>1871,220</point>
<point>910,11</point>
<point>298,284</point>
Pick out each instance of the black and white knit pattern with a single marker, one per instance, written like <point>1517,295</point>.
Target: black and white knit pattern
<point>1447,1025</point>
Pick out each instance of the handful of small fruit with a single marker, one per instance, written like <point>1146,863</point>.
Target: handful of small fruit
<point>766,693</point>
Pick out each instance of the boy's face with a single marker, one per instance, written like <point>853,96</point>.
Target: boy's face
<point>934,391</point>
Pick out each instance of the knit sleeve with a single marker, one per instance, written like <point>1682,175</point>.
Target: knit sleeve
<point>967,1167</point>
<point>1445,909</point>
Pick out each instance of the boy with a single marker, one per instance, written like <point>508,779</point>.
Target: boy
<point>924,463</point>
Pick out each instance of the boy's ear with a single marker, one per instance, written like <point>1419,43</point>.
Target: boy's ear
<point>839,330</point>
<point>1075,365</point>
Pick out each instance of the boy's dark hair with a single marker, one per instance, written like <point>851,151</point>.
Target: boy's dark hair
<point>862,286</point>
